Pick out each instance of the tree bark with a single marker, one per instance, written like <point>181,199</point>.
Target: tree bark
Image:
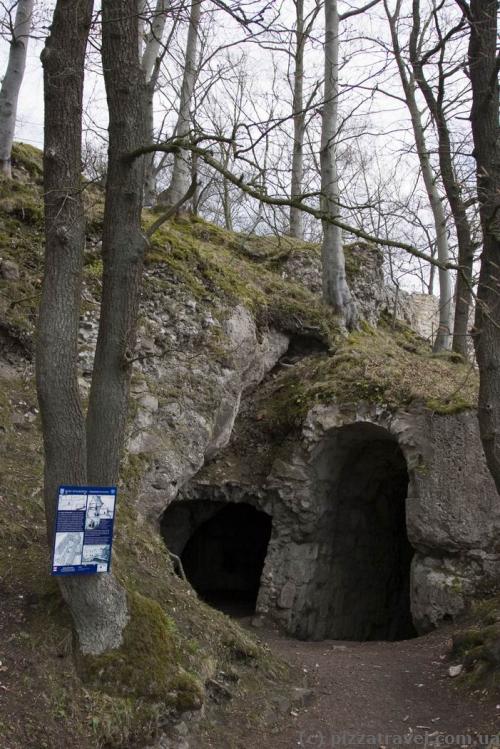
<point>123,243</point>
<point>336,291</point>
<point>443,338</point>
<point>181,174</point>
<point>463,291</point>
<point>299,123</point>
<point>97,603</point>
<point>483,64</point>
<point>11,84</point>
<point>150,65</point>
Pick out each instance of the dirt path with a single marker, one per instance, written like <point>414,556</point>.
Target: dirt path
<point>380,694</point>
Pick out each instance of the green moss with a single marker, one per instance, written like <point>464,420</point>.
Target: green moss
<point>146,665</point>
<point>28,157</point>
<point>478,645</point>
<point>377,366</point>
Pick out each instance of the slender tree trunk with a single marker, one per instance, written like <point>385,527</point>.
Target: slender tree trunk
<point>299,123</point>
<point>11,84</point>
<point>181,175</point>
<point>228,218</point>
<point>463,291</point>
<point>151,53</point>
<point>123,243</point>
<point>483,63</point>
<point>226,192</point>
<point>335,288</point>
<point>149,159</point>
<point>443,337</point>
<point>153,39</point>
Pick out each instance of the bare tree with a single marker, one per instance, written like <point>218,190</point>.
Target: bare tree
<point>296,229</point>
<point>78,452</point>
<point>335,289</point>
<point>152,53</point>
<point>13,78</point>
<point>303,28</point>
<point>443,337</point>
<point>484,64</point>
<point>181,173</point>
<point>436,105</point>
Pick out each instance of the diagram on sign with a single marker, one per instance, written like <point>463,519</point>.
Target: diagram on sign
<point>84,530</point>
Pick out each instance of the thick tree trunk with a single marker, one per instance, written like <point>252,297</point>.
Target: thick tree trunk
<point>97,603</point>
<point>11,84</point>
<point>443,338</point>
<point>486,133</point>
<point>463,291</point>
<point>299,123</point>
<point>181,174</point>
<point>336,291</point>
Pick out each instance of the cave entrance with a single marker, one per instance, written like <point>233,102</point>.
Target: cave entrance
<point>371,555</point>
<point>222,548</point>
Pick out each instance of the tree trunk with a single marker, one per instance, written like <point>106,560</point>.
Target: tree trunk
<point>335,288</point>
<point>150,66</point>
<point>463,291</point>
<point>443,337</point>
<point>299,122</point>
<point>11,84</point>
<point>149,159</point>
<point>123,243</point>
<point>181,174</point>
<point>153,39</point>
<point>486,133</point>
<point>97,603</point>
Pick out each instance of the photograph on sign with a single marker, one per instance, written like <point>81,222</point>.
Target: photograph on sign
<point>68,549</point>
<point>83,530</point>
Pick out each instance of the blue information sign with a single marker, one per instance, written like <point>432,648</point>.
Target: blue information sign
<point>84,530</point>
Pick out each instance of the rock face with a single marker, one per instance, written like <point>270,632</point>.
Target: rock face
<point>382,522</point>
<point>362,521</point>
<point>372,294</point>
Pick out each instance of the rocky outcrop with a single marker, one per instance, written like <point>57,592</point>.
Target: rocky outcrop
<point>328,490</point>
<point>363,478</point>
<point>374,296</point>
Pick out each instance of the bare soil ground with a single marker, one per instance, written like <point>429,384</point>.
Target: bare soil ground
<point>375,694</point>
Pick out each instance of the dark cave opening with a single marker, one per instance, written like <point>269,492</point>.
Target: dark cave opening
<point>370,574</point>
<point>223,550</point>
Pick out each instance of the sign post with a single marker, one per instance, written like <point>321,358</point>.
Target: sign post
<point>83,536</point>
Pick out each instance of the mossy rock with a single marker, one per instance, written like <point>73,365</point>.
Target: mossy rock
<point>376,366</point>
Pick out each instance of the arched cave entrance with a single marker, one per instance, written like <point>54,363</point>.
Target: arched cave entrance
<point>369,577</point>
<point>222,547</point>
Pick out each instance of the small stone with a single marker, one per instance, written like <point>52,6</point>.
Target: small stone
<point>149,402</point>
<point>454,671</point>
<point>302,697</point>
<point>9,270</point>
